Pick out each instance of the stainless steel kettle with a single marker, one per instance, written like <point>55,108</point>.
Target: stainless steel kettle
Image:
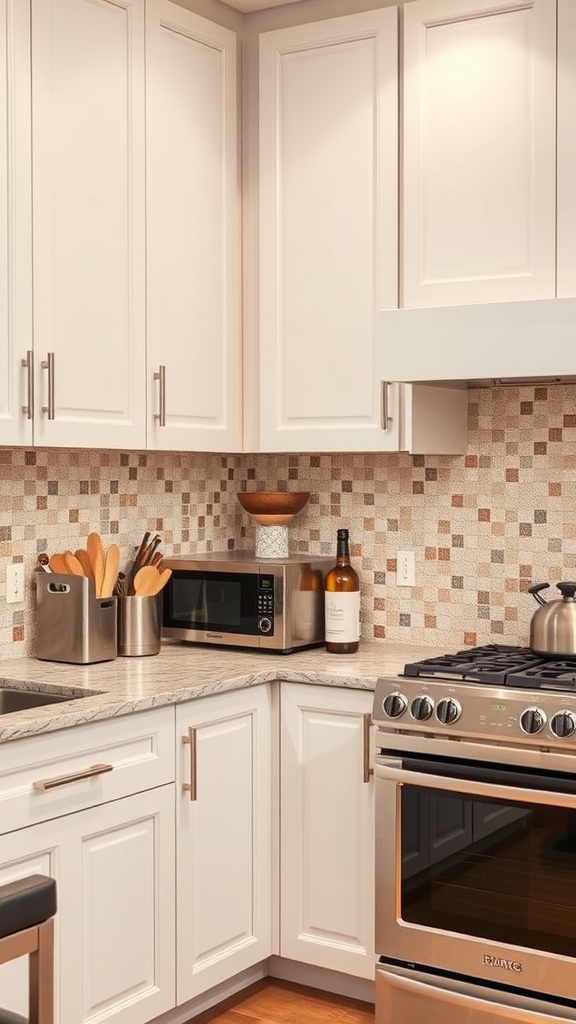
<point>553,625</point>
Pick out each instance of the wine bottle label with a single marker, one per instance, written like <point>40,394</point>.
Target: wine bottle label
<point>342,611</point>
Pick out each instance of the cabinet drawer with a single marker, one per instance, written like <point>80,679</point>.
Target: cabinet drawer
<point>133,753</point>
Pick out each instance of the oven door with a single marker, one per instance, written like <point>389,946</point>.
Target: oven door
<point>476,871</point>
<point>404,996</point>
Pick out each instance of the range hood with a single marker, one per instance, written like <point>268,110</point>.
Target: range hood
<point>491,344</point>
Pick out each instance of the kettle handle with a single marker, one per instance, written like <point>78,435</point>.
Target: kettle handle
<point>535,591</point>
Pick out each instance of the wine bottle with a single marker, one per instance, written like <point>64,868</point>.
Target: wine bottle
<point>342,602</point>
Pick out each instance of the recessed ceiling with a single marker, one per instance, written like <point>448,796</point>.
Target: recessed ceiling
<point>257,5</point>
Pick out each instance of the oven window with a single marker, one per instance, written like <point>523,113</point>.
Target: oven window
<point>489,869</point>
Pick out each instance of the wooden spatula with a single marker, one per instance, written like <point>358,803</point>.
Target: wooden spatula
<point>145,581</point>
<point>111,563</point>
<point>84,559</point>
<point>96,556</point>
<point>57,563</point>
<point>74,566</point>
<point>162,580</point>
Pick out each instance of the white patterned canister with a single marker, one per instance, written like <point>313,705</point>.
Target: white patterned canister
<point>271,542</point>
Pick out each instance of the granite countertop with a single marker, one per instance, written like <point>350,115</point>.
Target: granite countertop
<point>183,672</point>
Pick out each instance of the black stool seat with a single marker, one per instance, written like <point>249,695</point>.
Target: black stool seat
<point>27,908</point>
<point>26,903</point>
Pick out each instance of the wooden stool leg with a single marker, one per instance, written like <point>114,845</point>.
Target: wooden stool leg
<point>41,986</point>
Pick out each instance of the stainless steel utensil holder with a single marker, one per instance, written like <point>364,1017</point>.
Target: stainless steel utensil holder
<point>139,625</point>
<point>74,625</point>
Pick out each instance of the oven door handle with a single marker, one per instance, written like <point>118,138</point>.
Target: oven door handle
<point>389,770</point>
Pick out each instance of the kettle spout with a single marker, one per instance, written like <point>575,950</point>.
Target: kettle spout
<point>535,591</point>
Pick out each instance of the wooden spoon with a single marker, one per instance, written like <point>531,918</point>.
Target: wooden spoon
<point>84,559</point>
<point>57,563</point>
<point>145,581</point>
<point>111,563</point>
<point>163,578</point>
<point>96,556</point>
<point>73,564</point>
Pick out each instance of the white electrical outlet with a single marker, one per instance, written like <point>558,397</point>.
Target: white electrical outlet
<point>14,582</point>
<point>405,569</point>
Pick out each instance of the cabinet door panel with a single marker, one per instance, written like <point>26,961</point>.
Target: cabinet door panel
<point>224,842</point>
<point>479,151</point>
<point>88,229</point>
<point>127,858</point>
<point>114,867</point>
<point>566,213</point>
<point>15,223</point>
<point>328,231</point>
<point>193,230</point>
<point>327,830</point>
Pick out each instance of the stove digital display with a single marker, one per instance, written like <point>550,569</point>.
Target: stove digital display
<point>500,707</point>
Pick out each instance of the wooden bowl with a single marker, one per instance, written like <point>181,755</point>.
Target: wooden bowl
<point>273,508</point>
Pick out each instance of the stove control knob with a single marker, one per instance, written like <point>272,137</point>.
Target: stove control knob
<point>394,705</point>
<point>448,710</point>
<point>563,724</point>
<point>532,721</point>
<point>421,708</point>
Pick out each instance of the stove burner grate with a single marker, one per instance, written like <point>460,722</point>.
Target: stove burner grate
<point>492,663</point>
<point>500,665</point>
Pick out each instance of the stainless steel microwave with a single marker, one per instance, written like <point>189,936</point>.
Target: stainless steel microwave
<point>232,598</point>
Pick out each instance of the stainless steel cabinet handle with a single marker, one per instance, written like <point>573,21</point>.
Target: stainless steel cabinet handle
<point>190,787</point>
<point>48,364</point>
<point>65,780</point>
<point>367,771</point>
<point>386,418</point>
<point>28,365</point>
<point>161,414</point>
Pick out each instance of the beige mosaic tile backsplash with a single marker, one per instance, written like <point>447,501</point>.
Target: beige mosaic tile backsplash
<point>483,526</point>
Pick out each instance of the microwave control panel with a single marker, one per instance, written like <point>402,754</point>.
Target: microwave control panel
<point>265,606</point>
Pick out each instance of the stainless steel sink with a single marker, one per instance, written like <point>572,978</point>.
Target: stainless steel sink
<point>12,699</point>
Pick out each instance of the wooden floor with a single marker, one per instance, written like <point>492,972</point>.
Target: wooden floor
<point>279,1002</point>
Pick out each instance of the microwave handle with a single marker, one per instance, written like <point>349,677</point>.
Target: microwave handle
<point>390,770</point>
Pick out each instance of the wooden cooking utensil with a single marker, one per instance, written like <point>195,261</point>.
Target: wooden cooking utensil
<point>111,563</point>
<point>57,563</point>
<point>84,559</point>
<point>145,581</point>
<point>96,555</point>
<point>73,564</point>
<point>162,580</point>
<point>137,563</point>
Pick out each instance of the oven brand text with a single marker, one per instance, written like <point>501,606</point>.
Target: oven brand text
<point>499,961</point>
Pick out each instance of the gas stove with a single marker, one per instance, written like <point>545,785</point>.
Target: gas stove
<point>481,694</point>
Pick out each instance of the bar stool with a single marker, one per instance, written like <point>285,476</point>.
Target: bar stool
<point>27,909</point>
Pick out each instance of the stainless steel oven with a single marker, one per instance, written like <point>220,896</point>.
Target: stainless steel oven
<point>476,847</point>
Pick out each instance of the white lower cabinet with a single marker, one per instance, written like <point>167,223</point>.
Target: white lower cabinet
<point>224,851</point>
<point>327,828</point>
<point>93,807</point>
<point>114,868</point>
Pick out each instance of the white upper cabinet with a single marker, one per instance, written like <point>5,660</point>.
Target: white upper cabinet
<point>479,117</point>
<point>15,213</point>
<point>329,246</point>
<point>566,171</point>
<point>88,222</point>
<point>193,219</point>
<point>328,232</point>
